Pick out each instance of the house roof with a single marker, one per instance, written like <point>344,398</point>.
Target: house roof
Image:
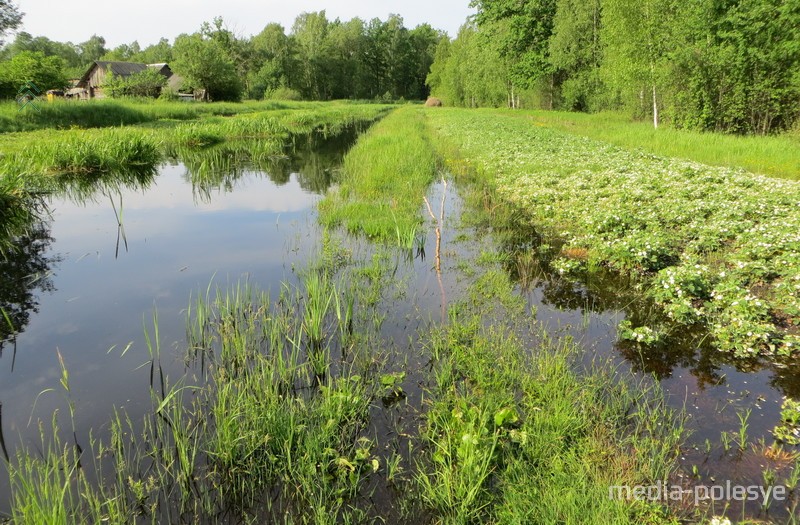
<point>120,69</point>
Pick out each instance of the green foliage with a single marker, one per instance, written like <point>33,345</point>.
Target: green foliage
<point>732,67</point>
<point>93,49</point>
<point>26,42</point>
<point>738,69</point>
<point>518,437</point>
<point>283,93</point>
<point>10,18</point>
<point>576,53</point>
<point>466,72</point>
<point>204,64</point>
<point>788,431</point>
<point>146,83</point>
<point>715,247</point>
<point>31,66</point>
<point>386,176</point>
<point>522,31</point>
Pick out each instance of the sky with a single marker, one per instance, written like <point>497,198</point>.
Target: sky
<point>123,21</point>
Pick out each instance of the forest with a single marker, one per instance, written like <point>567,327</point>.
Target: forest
<point>319,59</point>
<point>714,65</point>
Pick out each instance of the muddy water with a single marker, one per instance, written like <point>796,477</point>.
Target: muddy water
<point>89,279</point>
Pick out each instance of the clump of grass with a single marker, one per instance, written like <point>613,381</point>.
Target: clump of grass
<point>514,436</point>
<point>114,152</point>
<point>84,153</point>
<point>385,177</point>
<point>46,489</point>
<point>318,297</point>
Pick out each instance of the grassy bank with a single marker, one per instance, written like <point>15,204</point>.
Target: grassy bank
<point>776,156</point>
<point>711,246</point>
<point>34,156</point>
<point>62,114</point>
<point>385,178</point>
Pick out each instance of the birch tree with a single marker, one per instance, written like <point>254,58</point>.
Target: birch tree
<point>637,38</point>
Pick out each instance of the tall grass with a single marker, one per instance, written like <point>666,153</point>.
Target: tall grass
<point>385,177</point>
<point>273,433</point>
<point>515,435</point>
<point>777,156</point>
<point>62,114</point>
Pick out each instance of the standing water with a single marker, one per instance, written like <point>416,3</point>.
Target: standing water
<point>85,284</point>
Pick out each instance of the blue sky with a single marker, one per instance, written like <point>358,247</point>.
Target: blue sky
<point>122,21</point>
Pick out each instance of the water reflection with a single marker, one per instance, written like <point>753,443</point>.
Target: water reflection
<point>312,158</point>
<point>26,269</point>
<point>527,260</point>
<point>152,207</point>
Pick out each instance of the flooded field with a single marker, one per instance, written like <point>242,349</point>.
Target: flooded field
<point>121,260</point>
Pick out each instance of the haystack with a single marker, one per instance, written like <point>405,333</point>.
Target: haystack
<point>433,102</point>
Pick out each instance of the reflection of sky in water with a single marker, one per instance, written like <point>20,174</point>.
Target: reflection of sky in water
<point>176,244</point>
<point>179,241</point>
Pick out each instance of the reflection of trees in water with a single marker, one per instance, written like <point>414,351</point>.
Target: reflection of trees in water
<point>313,158</point>
<point>84,189</point>
<point>603,291</point>
<point>24,269</point>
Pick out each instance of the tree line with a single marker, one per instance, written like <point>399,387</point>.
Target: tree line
<point>716,65</point>
<point>317,59</point>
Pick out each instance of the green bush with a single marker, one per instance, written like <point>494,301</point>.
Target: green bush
<point>283,93</point>
<point>146,83</point>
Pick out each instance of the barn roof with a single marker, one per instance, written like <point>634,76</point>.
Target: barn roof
<point>120,69</point>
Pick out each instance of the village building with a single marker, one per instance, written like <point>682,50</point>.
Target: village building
<point>91,84</point>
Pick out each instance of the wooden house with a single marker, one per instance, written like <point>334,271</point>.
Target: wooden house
<point>90,85</point>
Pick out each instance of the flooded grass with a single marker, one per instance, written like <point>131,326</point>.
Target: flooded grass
<point>514,435</point>
<point>384,180</point>
<point>277,431</point>
<point>299,406</point>
<point>712,247</point>
<point>276,428</point>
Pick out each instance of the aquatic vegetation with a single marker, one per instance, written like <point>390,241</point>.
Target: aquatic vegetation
<point>514,435</point>
<point>788,431</point>
<point>266,421</point>
<point>384,180</point>
<point>713,246</point>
